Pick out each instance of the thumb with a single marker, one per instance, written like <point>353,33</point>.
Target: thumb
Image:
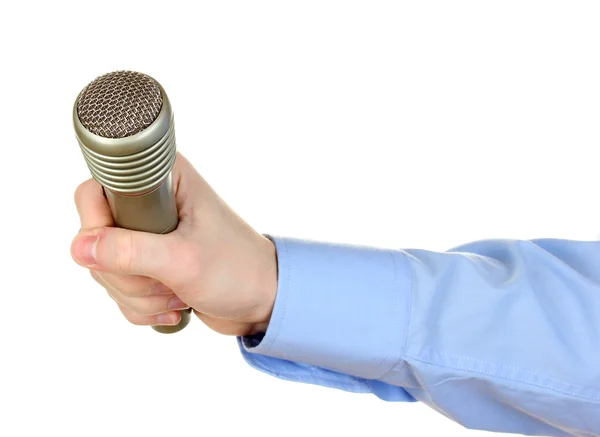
<point>125,252</point>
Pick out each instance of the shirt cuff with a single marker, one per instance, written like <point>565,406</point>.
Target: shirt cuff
<point>338,307</point>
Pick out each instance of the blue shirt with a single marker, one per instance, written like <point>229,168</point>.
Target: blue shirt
<point>497,335</point>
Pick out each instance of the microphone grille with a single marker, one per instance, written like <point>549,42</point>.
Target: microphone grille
<point>119,104</point>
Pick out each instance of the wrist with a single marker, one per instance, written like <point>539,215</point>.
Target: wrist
<point>267,289</point>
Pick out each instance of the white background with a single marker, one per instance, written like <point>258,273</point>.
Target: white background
<point>397,124</point>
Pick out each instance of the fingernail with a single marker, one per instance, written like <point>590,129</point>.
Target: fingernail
<point>166,319</point>
<point>84,250</point>
<point>176,304</point>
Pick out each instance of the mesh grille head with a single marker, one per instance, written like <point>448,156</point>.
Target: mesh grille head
<point>119,104</point>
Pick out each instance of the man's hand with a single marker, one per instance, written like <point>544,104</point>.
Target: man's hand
<point>213,262</point>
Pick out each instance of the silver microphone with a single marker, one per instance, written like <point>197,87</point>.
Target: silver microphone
<point>125,128</point>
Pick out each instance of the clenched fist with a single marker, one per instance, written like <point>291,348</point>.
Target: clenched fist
<point>214,262</point>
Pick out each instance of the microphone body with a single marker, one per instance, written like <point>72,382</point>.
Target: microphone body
<point>124,125</point>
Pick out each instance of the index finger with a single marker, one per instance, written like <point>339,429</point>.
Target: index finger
<point>92,206</point>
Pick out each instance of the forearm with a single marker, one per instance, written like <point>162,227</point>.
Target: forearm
<point>499,335</point>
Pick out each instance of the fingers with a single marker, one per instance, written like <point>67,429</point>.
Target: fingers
<point>141,309</point>
<point>170,318</point>
<point>92,206</point>
<point>125,262</point>
<point>150,300</point>
<point>126,252</point>
<point>149,305</point>
<point>132,286</point>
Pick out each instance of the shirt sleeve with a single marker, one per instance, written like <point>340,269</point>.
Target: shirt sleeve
<point>497,335</point>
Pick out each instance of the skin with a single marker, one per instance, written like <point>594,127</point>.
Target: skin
<point>214,262</point>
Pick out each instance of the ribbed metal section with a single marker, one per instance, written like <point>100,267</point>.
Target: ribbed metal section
<point>134,174</point>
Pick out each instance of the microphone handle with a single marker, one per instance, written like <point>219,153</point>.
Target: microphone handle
<point>154,212</point>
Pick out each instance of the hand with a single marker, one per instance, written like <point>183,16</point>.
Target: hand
<point>214,262</point>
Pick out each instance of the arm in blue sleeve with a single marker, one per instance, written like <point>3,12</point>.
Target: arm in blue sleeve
<point>497,335</point>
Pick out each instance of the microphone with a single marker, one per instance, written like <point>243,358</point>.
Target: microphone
<point>125,129</point>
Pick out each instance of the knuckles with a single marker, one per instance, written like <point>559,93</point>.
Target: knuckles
<point>81,191</point>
